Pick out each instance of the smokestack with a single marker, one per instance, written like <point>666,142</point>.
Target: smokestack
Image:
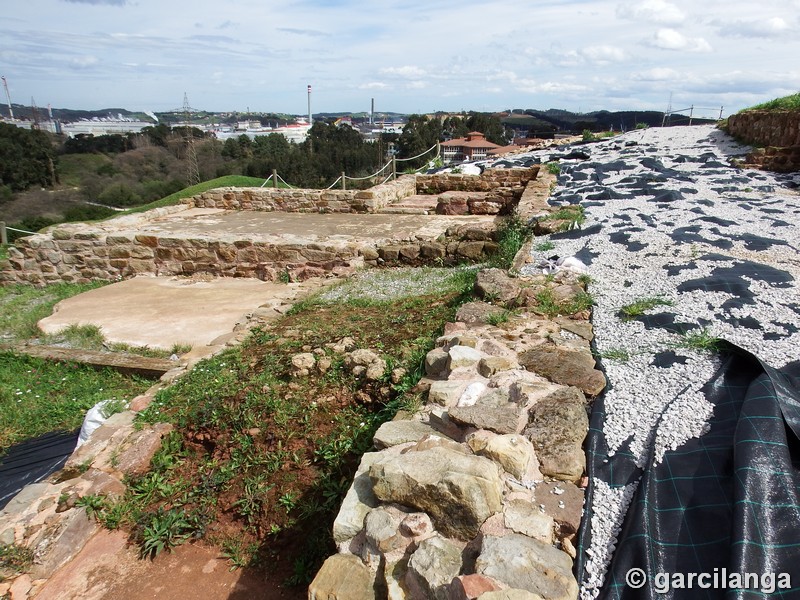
<point>372,113</point>
<point>309,105</point>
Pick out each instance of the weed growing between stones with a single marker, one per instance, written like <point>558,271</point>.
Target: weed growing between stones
<point>499,318</point>
<point>14,559</point>
<point>512,234</point>
<point>262,452</point>
<point>553,168</point>
<point>641,306</point>
<point>617,354</point>
<point>572,217</point>
<point>548,304</point>
<point>544,246</point>
<point>701,340</point>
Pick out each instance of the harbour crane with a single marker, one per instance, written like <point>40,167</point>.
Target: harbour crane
<point>8,97</point>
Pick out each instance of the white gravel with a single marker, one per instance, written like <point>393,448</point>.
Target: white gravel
<point>652,409</point>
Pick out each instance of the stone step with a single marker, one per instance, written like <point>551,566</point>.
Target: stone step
<point>152,368</point>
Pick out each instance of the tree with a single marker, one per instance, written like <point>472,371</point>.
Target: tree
<point>28,158</point>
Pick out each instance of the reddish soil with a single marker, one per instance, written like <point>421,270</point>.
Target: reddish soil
<point>108,569</point>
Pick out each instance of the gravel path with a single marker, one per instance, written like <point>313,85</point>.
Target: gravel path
<point>715,248</point>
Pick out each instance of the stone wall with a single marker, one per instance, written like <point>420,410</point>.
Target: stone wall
<point>75,253</point>
<point>494,192</point>
<point>489,181</point>
<point>306,200</point>
<point>766,128</point>
<point>480,493</point>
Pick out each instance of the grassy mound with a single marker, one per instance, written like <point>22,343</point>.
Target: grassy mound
<point>786,103</point>
<point>226,181</point>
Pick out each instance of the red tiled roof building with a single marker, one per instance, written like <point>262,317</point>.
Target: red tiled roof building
<point>473,147</point>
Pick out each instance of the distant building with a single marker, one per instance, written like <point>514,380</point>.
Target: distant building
<point>473,147</point>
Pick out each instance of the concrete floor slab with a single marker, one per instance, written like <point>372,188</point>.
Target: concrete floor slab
<point>160,312</point>
<point>334,229</point>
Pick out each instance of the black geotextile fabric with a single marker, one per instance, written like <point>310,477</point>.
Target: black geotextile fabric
<point>726,502</point>
<point>32,461</point>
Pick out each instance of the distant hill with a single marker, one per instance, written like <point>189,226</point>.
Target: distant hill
<point>564,121</point>
<point>72,114</point>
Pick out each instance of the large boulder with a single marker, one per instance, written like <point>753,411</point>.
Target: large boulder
<point>358,501</point>
<point>527,564</point>
<point>342,577</point>
<point>507,418</point>
<point>394,433</point>
<point>566,366</point>
<point>512,452</point>
<point>458,491</point>
<point>557,427</point>
<point>432,567</point>
<point>477,312</point>
<point>496,285</point>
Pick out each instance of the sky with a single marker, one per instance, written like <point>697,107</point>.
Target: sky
<point>411,56</point>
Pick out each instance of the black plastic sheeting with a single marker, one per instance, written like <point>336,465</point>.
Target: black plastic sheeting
<point>725,503</point>
<point>32,461</point>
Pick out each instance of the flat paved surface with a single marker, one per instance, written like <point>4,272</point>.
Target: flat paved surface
<point>160,312</point>
<point>108,569</point>
<point>289,228</point>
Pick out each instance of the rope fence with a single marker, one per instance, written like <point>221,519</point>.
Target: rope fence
<point>275,178</point>
<point>4,229</point>
<point>667,119</point>
<point>418,155</point>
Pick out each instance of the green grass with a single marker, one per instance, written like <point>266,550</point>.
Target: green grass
<point>553,168</point>
<point>22,306</point>
<point>641,306</point>
<point>791,102</point>
<point>90,337</point>
<point>38,396</point>
<point>226,181</point>
<point>3,252</point>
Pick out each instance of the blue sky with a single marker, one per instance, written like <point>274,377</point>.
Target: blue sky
<point>410,55</point>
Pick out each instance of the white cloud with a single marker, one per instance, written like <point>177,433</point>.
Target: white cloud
<point>408,71</point>
<point>373,85</point>
<point>656,74</point>
<point>652,11</point>
<point>603,54</point>
<point>83,62</point>
<point>670,39</point>
<point>765,28</point>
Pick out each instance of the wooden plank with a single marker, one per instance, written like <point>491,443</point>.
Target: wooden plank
<point>152,368</point>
